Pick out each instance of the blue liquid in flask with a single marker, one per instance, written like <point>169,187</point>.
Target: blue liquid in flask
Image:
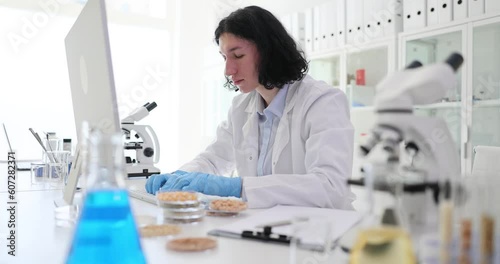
<point>106,231</point>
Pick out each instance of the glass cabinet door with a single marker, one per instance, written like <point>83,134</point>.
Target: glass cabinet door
<point>365,69</point>
<point>486,85</point>
<point>326,69</point>
<point>435,49</point>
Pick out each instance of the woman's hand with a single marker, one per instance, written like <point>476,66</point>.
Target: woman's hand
<point>155,182</point>
<point>204,183</point>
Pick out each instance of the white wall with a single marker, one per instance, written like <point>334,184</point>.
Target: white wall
<point>194,34</point>
<point>35,85</point>
<point>34,80</point>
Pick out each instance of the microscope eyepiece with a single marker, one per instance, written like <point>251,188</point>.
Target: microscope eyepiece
<point>414,64</point>
<point>455,60</point>
<point>151,106</point>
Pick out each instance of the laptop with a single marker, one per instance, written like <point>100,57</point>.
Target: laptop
<point>7,136</point>
<point>21,165</point>
<point>93,89</point>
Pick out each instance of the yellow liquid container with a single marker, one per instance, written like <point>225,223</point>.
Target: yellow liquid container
<point>384,245</point>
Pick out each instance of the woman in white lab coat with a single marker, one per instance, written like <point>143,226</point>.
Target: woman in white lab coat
<point>288,136</point>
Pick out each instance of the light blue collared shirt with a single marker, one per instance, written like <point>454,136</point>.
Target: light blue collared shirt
<point>269,119</point>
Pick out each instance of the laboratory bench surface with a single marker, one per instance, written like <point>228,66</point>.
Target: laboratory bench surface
<point>39,240</point>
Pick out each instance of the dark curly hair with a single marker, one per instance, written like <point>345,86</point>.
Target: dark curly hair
<point>281,61</point>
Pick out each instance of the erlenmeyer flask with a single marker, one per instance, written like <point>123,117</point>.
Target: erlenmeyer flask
<point>106,231</point>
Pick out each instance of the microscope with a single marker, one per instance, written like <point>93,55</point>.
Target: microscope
<point>142,149</point>
<point>415,152</point>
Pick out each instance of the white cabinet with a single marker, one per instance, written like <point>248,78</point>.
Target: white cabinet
<point>471,110</point>
<point>366,66</point>
<point>356,69</point>
<point>327,68</point>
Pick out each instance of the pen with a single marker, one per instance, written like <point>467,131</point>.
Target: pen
<point>37,137</point>
<point>283,223</point>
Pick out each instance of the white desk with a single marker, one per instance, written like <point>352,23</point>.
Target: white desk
<point>40,241</point>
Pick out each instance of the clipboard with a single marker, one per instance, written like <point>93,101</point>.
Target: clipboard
<point>259,226</point>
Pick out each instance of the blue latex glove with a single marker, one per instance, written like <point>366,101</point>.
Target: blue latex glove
<point>204,183</point>
<point>155,182</point>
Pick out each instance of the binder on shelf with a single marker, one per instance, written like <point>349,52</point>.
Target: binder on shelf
<point>492,6</point>
<point>325,15</point>
<point>379,16</point>
<point>308,30</point>
<point>340,6</point>
<point>316,28</point>
<point>432,12</point>
<point>331,24</point>
<point>354,21</point>
<point>476,7</point>
<point>414,14</point>
<point>392,23</point>
<point>298,28</point>
<point>445,14</point>
<point>460,9</point>
<point>370,31</point>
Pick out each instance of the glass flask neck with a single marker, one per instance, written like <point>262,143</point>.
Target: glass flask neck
<point>105,167</point>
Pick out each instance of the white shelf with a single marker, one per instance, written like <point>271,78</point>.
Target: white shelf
<point>486,103</point>
<point>351,48</point>
<point>442,105</point>
<point>454,23</point>
<point>362,109</point>
<point>325,54</point>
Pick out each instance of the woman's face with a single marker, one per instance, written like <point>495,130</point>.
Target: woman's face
<point>242,59</point>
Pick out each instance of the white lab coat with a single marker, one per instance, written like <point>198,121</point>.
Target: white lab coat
<point>312,153</point>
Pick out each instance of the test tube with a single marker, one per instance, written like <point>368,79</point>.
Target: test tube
<point>487,217</point>
<point>446,223</point>
<point>467,203</point>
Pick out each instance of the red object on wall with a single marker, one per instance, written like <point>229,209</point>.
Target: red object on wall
<point>360,77</point>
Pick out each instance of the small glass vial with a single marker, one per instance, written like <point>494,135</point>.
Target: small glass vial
<point>106,231</point>
<point>67,145</point>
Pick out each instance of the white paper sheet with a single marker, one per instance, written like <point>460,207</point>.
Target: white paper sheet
<point>340,221</point>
